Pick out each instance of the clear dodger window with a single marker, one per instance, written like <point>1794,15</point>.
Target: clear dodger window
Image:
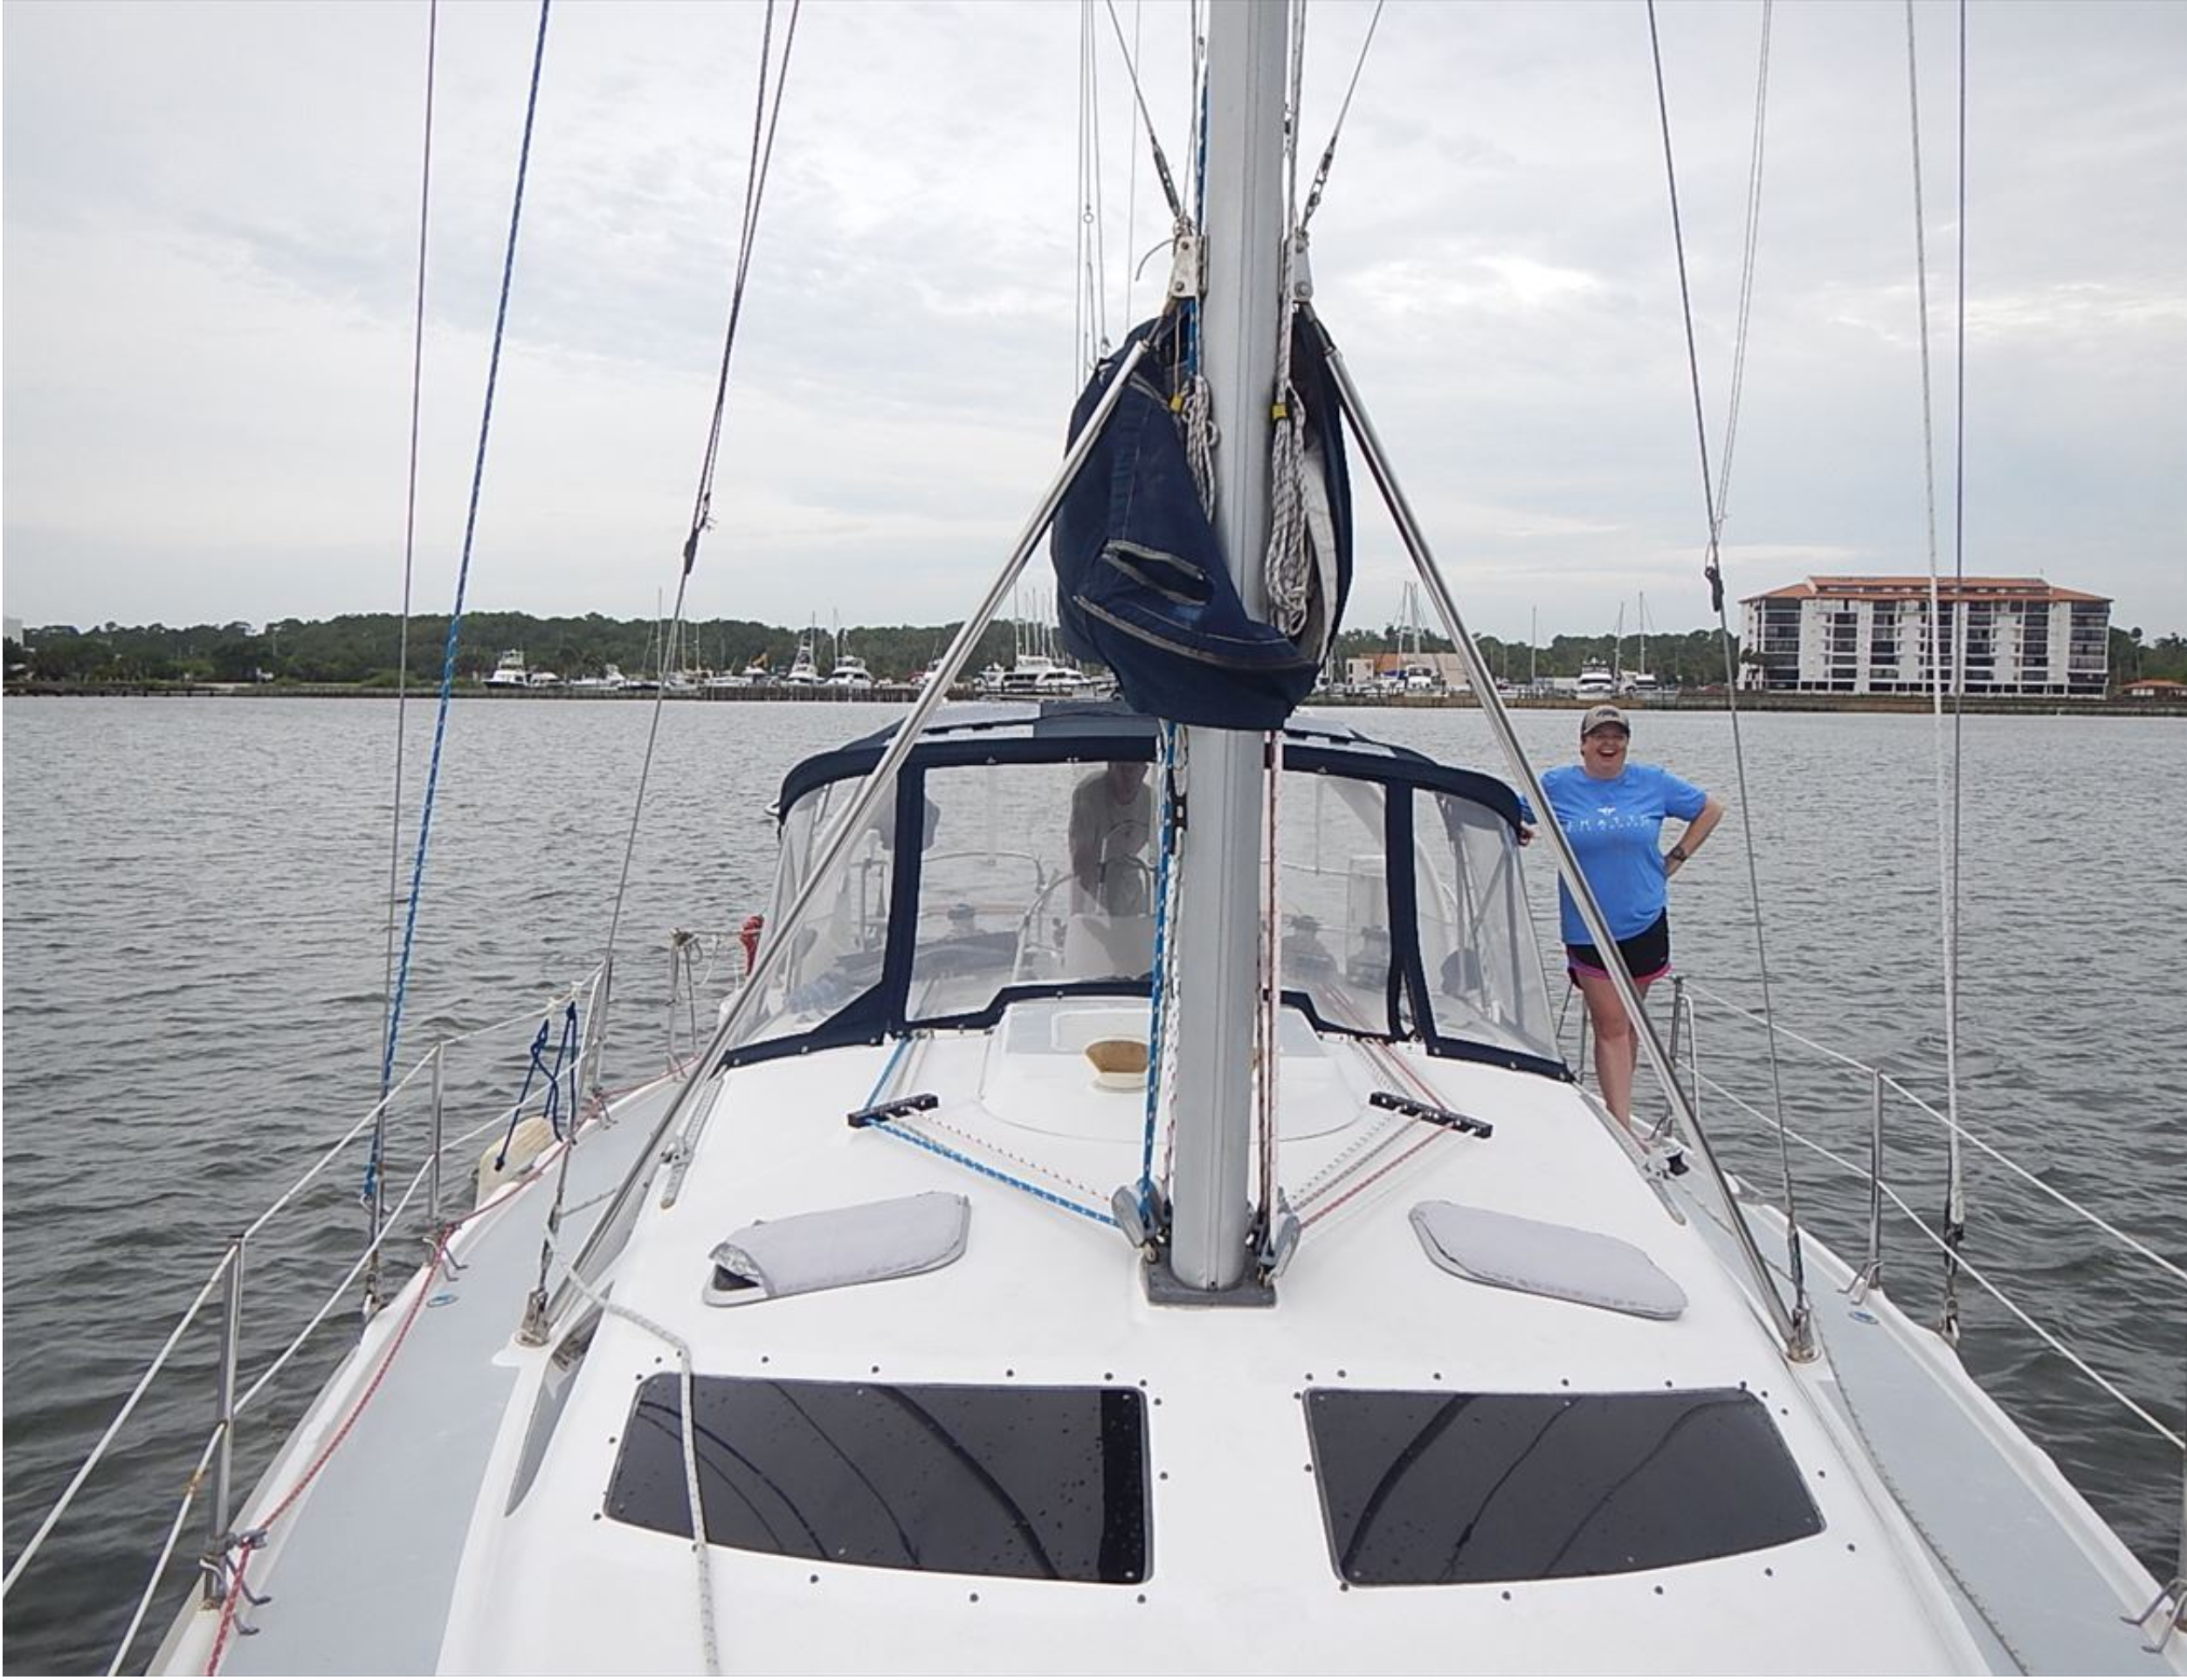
<point>836,947</point>
<point>1477,948</point>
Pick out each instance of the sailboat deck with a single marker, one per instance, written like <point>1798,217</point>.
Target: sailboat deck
<point>2049,1588</point>
<point>1238,1547</point>
<point>445,1564</point>
<point>370,1590</point>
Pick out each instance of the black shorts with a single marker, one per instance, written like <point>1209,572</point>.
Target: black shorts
<point>1647,953</point>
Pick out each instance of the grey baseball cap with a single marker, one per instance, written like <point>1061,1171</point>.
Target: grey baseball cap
<point>1597,716</point>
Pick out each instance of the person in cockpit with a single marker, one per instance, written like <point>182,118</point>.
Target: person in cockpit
<point>1111,818</point>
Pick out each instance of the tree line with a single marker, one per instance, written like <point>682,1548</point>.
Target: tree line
<point>366,649</point>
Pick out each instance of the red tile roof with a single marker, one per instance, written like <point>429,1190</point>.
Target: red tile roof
<point>1858,588</point>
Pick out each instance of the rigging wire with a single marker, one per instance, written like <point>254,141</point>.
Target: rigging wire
<point>1328,152</point>
<point>1797,1263</point>
<point>1177,216</point>
<point>1078,231</point>
<point>1287,568</point>
<point>1947,804</point>
<point>1097,210</point>
<point>1131,173</point>
<point>455,616</point>
<point>409,542</point>
<point>1746,290</point>
<point>1955,1209</point>
<point>1090,301</point>
<point>765,122</point>
<point>1080,282</point>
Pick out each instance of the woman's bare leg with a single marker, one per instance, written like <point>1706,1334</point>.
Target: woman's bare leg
<point>1616,1049</point>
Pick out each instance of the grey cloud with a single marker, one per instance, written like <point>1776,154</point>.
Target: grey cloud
<point>1493,253</point>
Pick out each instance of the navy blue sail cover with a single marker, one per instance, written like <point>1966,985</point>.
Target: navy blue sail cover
<point>1141,585</point>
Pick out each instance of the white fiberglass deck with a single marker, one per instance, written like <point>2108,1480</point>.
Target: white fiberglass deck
<point>431,1568</point>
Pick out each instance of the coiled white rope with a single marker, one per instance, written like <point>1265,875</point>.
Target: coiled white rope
<point>701,1549</point>
<point>1287,563</point>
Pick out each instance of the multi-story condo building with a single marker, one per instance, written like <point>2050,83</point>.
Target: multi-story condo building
<point>1873,636</point>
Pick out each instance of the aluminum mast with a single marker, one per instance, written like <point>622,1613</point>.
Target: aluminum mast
<point>1219,930</point>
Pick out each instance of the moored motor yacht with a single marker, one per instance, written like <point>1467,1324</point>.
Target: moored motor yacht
<point>509,671</point>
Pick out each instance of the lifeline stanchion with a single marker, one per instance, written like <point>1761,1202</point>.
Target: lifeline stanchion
<point>216,1586</point>
<point>432,1160</point>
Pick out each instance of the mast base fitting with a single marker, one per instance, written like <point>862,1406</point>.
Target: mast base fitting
<point>1165,1288</point>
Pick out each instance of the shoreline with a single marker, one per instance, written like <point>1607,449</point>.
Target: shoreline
<point>1991,705</point>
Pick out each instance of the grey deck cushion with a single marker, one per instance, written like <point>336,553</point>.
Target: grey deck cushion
<point>833,1247</point>
<point>1543,1259</point>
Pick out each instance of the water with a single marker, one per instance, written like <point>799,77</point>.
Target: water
<point>194,922</point>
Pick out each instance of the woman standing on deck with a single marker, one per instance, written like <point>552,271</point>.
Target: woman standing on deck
<point>1614,812</point>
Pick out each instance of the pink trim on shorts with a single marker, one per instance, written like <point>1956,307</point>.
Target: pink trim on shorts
<point>1574,965</point>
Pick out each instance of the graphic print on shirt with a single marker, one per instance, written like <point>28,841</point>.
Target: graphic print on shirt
<point>1614,826</point>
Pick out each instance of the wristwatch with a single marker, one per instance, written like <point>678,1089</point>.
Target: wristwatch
<point>1677,852</point>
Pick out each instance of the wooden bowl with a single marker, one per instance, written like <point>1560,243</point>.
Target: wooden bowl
<point>1119,1063</point>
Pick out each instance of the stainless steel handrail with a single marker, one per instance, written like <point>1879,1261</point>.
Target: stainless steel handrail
<point>2132,1244</point>
<point>224,1277</point>
<point>1995,1291</point>
<point>1880,1191</point>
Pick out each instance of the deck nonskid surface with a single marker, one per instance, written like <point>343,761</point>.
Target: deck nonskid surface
<point>1240,1573</point>
<point>362,1569</point>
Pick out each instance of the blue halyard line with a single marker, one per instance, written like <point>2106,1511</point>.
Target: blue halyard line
<point>888,1072</point>
<point>1000,1177</point>
<point>455,617</point>
<point>536,1064</point>
<point>563,1057</point>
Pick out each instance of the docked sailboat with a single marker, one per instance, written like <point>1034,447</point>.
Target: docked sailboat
<point>1136,1208</point>
<point>803,672</point>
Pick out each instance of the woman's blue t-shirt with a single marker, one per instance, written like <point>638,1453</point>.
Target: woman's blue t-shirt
<point>1615,825</point>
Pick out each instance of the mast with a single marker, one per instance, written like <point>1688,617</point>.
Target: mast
<point>1218,929</point>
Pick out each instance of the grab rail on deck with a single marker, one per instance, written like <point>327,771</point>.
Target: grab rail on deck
<point>216,1462</point>
<point>1868,1275</point>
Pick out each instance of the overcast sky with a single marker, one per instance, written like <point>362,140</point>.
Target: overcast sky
<point>211,226</point>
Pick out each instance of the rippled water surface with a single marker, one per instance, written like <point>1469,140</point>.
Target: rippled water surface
<point>195,911</point>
